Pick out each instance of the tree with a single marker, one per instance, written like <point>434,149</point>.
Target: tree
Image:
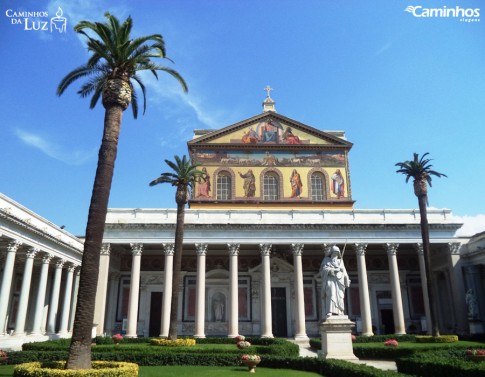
<point>111,72</point>
<point>185,175</point>
<point>420,170</point>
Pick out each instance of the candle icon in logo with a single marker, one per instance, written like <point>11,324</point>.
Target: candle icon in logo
<point>59,22</point>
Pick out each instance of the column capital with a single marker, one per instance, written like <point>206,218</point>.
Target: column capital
<point>60,263</point>
<point>265,249</point>
<point>419,248</point>
<point>297,248</point>
<point>360,248</point>
<point>13,246</point>
<point>70,267</point>
<point>32,252</point>
<point>391,248</point>
<point>168,248</point>
<point>201,248</point>
<point>454,248</point>
<point>46,258</point>
<point>136,248</point>
<point>233,249</point>
<point>106,249</point>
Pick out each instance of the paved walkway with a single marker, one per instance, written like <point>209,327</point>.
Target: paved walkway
<point>307,351</point>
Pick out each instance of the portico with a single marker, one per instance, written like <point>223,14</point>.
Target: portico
<point>386,294</point>
<point>40,262</point>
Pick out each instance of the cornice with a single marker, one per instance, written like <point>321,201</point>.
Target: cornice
<point>25,225</point>
<point>265,227</point>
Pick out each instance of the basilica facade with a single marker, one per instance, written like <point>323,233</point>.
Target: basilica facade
<point>278,194</point>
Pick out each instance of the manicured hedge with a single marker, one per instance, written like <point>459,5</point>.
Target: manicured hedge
<point>56,369</point>
<point>327,368</point>
<point>449,363</point>
<point>436,339</point>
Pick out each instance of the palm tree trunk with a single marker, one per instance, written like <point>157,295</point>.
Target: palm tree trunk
<point>177,266</point>
<point>80,349</point>
<point>422,200</point>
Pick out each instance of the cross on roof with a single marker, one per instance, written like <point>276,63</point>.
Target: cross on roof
<point>268,89</point>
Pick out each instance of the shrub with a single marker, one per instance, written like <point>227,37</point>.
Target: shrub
<point>436,339</point>
<point>447,363</point>
<point>56,369</point>
<point>391,343</point>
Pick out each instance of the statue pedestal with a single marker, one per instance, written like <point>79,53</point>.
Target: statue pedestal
<point>337,338</point>
<point>475,326</point>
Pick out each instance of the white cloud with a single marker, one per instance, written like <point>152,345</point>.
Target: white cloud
<point>70,157</point>
<point>471,225</point>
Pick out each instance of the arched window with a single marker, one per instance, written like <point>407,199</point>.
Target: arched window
<point>318,186</point>
<point>271,186</point>
<point>223,186</point>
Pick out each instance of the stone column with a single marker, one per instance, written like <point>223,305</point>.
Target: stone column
<point>397,309</point>
<point>201,250</point>
<point>424,286</point>
<point>233,286</point>
<point>102,289</point>
<point>25,292</point>
<point>168,249</point>
<point>67,301</point>
<point>266,320</point>
<point>74,298</point>
<point>54,301</point>
<point>39,303</point>
<point>136,250</point>
<point>363,290</point>
<point>457,288</point>
<point>7,283</point>
<point>300,330</point>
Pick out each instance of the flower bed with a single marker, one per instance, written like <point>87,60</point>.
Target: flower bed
<point>56,369</point>
<point>243,344</point>
<point>172,343</point>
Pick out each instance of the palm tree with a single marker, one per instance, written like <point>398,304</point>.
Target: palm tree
<point>420,170</point>
<point>111,72</point>
<point>184,176</point>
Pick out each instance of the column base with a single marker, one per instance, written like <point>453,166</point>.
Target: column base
<point>301,338</point>
<point>200,336</point>
<point>267,336</point>
<point>337,338</point>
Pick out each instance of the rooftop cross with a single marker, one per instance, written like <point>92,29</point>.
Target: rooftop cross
<point>268,89</point>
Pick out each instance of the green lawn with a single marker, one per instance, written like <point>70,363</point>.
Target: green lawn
<point>199,371</point>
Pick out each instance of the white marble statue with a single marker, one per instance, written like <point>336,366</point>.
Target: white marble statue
<point>334,281</point>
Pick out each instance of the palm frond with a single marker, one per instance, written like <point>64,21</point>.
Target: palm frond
<point>114,54</point>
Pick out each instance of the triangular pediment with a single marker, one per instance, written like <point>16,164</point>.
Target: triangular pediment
<point>270,130</point>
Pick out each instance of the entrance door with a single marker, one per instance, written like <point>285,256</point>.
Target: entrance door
<point>278,311</point>
<point>387,320</point>
<point>155,314</point>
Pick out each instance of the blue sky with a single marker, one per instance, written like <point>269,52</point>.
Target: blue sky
<point>396,83</point>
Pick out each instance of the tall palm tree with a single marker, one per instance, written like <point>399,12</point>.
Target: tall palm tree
<point>111,72</point>
<point>184,176</point>
<point>420,170</point>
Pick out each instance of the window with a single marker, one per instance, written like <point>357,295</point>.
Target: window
<point>270,187</point>
<point>223,186</point>
<point>318,192</point>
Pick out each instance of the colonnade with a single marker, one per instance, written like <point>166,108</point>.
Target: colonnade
<point>64,316</point>
<point>266,309</point>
